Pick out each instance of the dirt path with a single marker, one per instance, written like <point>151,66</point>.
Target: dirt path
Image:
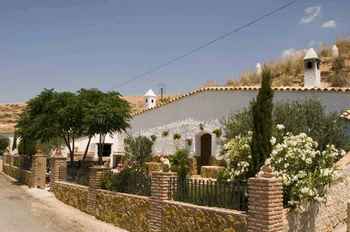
<point>34,210</point>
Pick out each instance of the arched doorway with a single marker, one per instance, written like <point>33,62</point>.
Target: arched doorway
<point>205,152</point>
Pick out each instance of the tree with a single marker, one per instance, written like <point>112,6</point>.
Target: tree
<point>52,115</point>
<point>262,123</point>
<point>103,113</point>
<point>4,143</point>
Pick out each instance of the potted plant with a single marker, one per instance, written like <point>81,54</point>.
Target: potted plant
<point>165,133</point>
<point>189,142</point>
<point>177,136</point>
<point>217,132</point>
<point>201,126</point>
<point>154,138</point>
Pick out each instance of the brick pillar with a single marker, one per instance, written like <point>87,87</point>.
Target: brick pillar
<point>58,168</point>
<point>96,176</point>
<point>159,192</point>
<point>39,169</point>
<point>265,202</point>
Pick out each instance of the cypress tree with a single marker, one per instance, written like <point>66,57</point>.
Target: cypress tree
<point>262,123</point>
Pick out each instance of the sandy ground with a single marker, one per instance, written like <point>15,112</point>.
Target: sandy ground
<point>35,210</point>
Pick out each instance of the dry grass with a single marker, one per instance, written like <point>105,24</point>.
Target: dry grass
<point>289,71</point>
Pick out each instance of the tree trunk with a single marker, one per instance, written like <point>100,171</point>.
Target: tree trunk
<point>87,148</point>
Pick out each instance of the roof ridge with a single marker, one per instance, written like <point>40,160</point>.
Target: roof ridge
<point>245,88</point>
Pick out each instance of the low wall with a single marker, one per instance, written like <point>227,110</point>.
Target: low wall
<point>23,176</point>
<point>323,217</point>
<point>71,194</point>
<point>123,210</point>
<point>182,217</point>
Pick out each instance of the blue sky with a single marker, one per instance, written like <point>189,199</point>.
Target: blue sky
<point>73,44</point>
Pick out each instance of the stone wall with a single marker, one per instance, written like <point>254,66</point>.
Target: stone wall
<point>71,194</point>
<point>23,176</point>
<point>182,217</point>
<point>123,210</point>
<point>323,217</point>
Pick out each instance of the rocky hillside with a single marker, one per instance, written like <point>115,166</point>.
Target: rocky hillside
<point>8,115</point>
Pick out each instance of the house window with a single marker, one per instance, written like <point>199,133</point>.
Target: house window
<point>104,149</point>
<point>152,100</point>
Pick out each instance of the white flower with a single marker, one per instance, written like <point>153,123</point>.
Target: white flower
<point>280,127</point>
<point>273,141</point>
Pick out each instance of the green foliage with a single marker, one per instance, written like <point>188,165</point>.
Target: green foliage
<point>189,142</point>
<point>4,143</point>
<point>180,163</point>
<point>129,180</point>
<point>138,150</point>
<point>53,116</point>
<point>27,146</point>
<point>338,77</point>
<point>217,132</point>
<point>201,126</point>
<point>262,123</point>
<point>177,136</point>
<point>238,124</point>
<point>308,116</point>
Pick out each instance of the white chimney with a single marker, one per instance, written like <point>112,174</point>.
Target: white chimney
<point>258,69</point>
<point>335,51</point>
<point>150,99</point>
<point>312,73</point>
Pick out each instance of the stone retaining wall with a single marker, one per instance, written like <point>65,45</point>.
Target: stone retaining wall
<point>182,217</point>
<point>323,217</point>
<point>71,194</point>
<point>123,210</point>
<point>23,176</point>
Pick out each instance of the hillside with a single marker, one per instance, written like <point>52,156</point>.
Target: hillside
<point>289,71</point>
<point>8,116</point>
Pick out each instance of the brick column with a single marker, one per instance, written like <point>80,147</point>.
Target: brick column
<point>265,202</point>
<point>58,168</point>
<point>159,192</point>
<point>96,176</point>
<point>39,169</point>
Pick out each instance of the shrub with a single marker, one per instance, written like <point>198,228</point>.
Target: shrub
<point>189,142</point>
<point>27,147</point>
<point>201,126</point>
<point>129,180</point>
<point>138,150</point>
<point>308,117</point>
<point>180,163</point>
<point>4,143</point>
<point>304,170</point>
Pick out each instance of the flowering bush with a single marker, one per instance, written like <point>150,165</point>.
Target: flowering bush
<point>304,169</point>
<point>238,155</point>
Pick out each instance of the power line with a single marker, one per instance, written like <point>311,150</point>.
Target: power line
<point>207,44</point>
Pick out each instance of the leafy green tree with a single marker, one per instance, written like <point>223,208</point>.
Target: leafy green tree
<point>53,116</point>
<point>103,113</point>
<point>180,163</point>
<point>4,143</point>
<point>262,123</point>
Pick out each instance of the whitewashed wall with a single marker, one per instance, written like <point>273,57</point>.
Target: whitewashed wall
<point>209,108</point>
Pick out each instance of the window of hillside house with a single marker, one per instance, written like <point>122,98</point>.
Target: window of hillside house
<point>104,149</point>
